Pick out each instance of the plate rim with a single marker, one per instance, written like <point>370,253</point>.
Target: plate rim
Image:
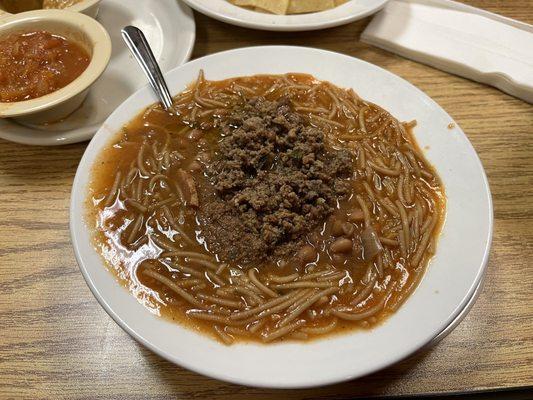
<point>267,22</point>
<point>467,297</point>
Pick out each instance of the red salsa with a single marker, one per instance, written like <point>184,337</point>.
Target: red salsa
<point>33,64</point>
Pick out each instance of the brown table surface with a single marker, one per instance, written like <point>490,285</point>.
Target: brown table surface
<point>57,342</point>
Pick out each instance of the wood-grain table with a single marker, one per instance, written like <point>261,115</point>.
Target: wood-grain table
<point>57,342</point>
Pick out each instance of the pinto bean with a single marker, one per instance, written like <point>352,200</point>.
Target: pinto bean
<point>348,229</point>
<point>336,228</point>
<point>307,253</point>
<point>341,245</point>
<point>356,215</point>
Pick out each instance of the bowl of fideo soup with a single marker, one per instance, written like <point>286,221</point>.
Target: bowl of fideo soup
<point>48,61</point>
<point>87,7</point>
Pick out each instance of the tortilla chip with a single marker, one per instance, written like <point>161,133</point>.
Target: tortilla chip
<point>243,3</point>
<point>308,6</point>
<point>282,7</point>
<point>274,6</point>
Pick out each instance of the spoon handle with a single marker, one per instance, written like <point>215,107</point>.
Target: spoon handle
<point>139,47</point>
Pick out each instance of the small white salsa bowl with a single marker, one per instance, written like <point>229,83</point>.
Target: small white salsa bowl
<point>446,288</point>
<point>78,28</point>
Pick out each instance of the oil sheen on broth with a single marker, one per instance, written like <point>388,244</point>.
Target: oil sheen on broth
<point>234,260</point>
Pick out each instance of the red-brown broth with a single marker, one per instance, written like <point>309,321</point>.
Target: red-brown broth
<point>384,152</point>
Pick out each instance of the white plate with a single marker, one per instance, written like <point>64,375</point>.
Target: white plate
<point>445,290</point>
<point>462,314</point>
<point>226,12</point>
<point>169,28</point>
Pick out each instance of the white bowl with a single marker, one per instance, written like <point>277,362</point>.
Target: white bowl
<point>348,12</point>
<point>76,27</point>
<point>447,286</point>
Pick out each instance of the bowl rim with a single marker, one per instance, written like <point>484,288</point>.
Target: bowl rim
<point>138,330</point>
<point>101,54</point>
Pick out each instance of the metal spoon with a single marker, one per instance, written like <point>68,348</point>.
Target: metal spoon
<point>139,47</point>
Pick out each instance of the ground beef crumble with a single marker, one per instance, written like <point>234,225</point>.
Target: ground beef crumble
<point>274,182</point>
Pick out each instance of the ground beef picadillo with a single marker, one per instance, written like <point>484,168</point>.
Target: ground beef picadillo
<point>274,181</point>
